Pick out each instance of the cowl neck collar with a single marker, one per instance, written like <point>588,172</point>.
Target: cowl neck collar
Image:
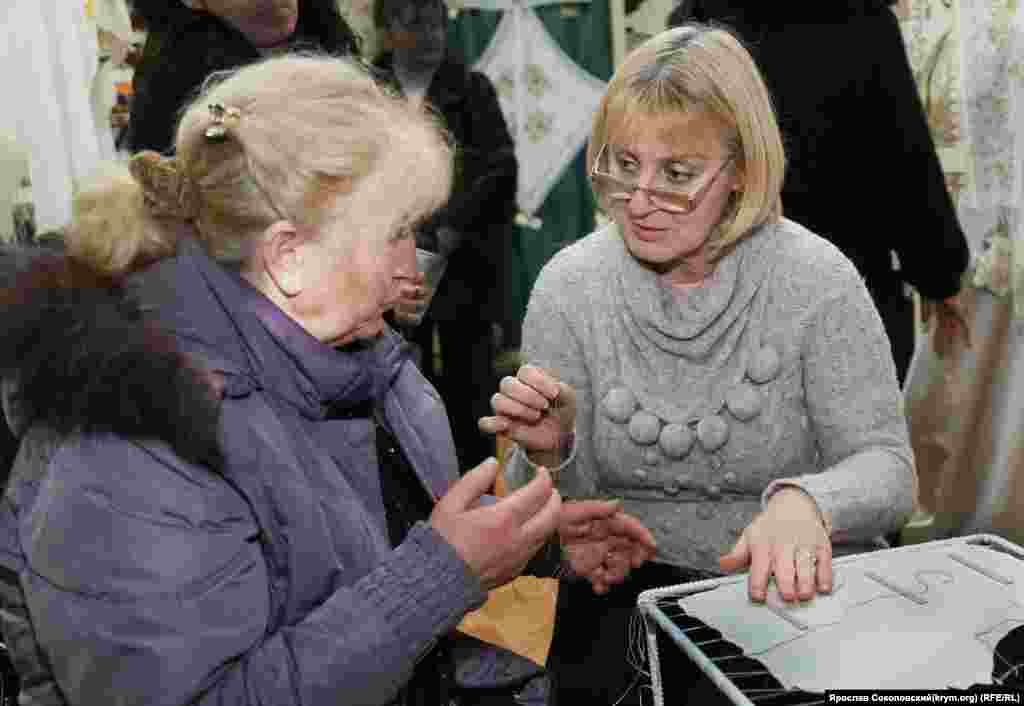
<point>713,329</point>
<point>690,322</point>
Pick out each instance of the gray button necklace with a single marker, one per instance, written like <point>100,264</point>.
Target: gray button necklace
<point>743,401</point>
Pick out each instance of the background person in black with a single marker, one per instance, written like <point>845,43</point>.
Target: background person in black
<point>474,227</point>
<point>862,166</point>
<point>188,40</point>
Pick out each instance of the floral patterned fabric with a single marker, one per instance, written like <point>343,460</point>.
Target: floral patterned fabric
<point>967,58</point>
<point>964,406</point>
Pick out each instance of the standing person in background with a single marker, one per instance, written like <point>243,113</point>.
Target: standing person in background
<point>187,40</point>
<point>719,369</point>
<point>472,228</point>
<point>862,165</point>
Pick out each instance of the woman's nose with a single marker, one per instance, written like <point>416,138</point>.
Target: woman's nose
<point>640,201</point>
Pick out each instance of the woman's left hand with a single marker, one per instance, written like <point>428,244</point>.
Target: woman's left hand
<point>602,543</point>
<point>788,541</point>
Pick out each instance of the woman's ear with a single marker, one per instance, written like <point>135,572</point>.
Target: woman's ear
<point>283,258</point>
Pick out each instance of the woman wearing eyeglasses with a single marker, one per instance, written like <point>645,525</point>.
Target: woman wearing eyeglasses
<point>719,368</point>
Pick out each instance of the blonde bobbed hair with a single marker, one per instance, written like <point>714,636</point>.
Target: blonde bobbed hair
<point>302,133</point>
<point>697,69</point>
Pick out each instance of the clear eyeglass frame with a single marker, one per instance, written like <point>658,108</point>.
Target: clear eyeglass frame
<point>618,189</point>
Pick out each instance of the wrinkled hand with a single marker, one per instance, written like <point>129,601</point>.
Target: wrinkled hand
<point>536,411</point>
<point>787,541</point>
<point>496,541</point>
<point>602,543</point>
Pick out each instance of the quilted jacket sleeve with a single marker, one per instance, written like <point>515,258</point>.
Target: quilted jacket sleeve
<point>146,584</point>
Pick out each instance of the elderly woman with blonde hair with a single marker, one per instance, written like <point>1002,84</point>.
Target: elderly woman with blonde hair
<point>720,369</point>
<point>233,484</point>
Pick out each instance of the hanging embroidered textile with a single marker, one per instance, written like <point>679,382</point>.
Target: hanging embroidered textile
<point>548,100</point>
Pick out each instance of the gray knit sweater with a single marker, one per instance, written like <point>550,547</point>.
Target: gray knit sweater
<point>694,405</point>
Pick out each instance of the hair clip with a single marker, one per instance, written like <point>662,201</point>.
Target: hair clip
<point>218,131</point>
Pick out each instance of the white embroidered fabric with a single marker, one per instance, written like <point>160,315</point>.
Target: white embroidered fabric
<point>548,99</point>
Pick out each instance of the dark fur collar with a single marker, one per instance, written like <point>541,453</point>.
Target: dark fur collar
<point>82,359</point>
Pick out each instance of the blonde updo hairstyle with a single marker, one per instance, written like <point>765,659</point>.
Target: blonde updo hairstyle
<point>299,136</point>
<point>700,69</point>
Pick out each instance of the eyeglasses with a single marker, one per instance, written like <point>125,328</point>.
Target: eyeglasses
<point>621,187</point>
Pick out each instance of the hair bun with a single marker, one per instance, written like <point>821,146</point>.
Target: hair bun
<point>167,190</point>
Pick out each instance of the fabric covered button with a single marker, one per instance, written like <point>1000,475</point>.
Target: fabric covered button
<point>705,511</point>
<point>765,365</point>
<point>619,404</point>
<point>676,440</point>
<point>652,457</point>
<point>644,428</point>
<point>713,432</point>
<point>714,492</point>
<point>729,477</point>
<point>716,463</point>
<point>744,402</point>
<point>640,474</point>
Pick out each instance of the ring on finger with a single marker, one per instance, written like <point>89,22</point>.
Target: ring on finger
<point>805,557</point>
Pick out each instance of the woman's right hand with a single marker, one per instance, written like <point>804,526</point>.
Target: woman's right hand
<point>536,411</point>
<point>497,540</point>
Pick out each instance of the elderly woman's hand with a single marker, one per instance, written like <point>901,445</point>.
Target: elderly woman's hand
<point>536,411</point>
<point>788,541</point>
<point>601,543</point>
<point>497,540</point>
